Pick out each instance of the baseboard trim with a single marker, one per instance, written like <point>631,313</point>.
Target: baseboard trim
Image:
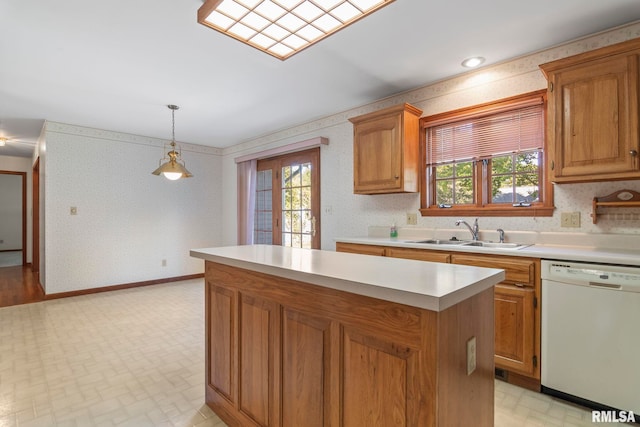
<point>123,286</point>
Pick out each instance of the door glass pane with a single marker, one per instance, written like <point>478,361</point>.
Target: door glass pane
<point>296,205</point>
<point>262,222</point>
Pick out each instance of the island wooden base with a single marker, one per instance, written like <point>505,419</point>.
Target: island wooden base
<point>286,353</point>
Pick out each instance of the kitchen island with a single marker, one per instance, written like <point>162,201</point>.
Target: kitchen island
<point>299,337</point>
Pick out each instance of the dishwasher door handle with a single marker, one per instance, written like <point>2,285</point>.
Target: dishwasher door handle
<point>604,285</point>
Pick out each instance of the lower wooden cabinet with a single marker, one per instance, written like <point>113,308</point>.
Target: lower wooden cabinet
<point>517,313</point>
<point>289,354</point>
<point>419,254</point>
<point>515,328</point>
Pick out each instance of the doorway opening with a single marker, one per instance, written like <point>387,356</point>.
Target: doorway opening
<point>13,219</point>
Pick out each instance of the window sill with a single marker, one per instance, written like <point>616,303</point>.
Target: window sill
<point>533,211</point>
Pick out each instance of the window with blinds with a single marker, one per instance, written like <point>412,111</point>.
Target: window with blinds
<point>487,159</point>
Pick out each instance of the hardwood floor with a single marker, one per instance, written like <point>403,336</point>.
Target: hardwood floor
<point>18,285</point>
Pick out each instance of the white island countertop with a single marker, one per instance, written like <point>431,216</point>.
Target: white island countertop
<point>428,285</point>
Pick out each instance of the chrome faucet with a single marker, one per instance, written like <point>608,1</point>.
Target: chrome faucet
<point>473,230</point>
<point>501,234</point>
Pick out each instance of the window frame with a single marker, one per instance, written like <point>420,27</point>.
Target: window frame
<point>482,173</point>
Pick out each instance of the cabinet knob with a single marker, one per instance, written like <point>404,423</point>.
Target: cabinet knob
<point>633,152</point>
<point>397,176</point>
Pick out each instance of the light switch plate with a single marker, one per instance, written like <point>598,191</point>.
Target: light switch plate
<point>570,219</point>
<point>412,218</point>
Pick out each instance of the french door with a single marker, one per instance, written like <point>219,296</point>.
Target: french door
<point>288,200</point>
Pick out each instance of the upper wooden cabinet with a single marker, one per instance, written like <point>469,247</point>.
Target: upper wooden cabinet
<point>386,151</point>
<point>592,127</point>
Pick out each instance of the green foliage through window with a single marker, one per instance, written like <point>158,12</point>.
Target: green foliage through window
<point>515,178</point>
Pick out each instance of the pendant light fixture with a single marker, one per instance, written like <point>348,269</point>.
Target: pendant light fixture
<point>173,167</point>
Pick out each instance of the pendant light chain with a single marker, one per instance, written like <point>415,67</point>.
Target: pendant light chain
<point>173,123</point>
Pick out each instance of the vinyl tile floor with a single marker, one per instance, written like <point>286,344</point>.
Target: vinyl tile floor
<point>135,357</point>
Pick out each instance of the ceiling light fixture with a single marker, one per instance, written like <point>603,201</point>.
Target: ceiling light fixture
<point>283,28</point>
<point>3,141</point>
<point>473,62</point>
<point>174,167</point>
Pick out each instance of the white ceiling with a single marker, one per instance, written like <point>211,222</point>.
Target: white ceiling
<point>116,64</point>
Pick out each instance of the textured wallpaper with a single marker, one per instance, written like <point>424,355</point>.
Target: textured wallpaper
<point>127,220</point>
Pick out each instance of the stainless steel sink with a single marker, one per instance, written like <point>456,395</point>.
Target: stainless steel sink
<point>441,242</point>
<point>474,243</point>
<point>497,245</point>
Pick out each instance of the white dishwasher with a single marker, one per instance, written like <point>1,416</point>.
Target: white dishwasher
<point>591,334</point>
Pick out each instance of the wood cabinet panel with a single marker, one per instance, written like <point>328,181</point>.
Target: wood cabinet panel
<point>514,323</point>
<point>220,323</point>
<point>593,114</point>
<point>518,271</point>
<point>418,254</point>
<point>377,152</point>
<point>355,248</point>
<point>259,339</point>
<point>306,368</point>
<point>386,151</point>
<point>375,379</point>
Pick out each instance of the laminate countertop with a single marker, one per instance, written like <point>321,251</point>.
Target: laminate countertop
<point>432,286</point>
<point>542,251</point>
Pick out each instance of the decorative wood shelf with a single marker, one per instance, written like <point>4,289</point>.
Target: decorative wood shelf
<point>619,199</point>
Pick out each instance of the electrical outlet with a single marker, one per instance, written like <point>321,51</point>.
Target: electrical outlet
<point>412,218</point>
<point>471,355</point>
<point>570,219</point>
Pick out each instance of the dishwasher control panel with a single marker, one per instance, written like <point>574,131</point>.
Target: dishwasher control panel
<point>598,275</point>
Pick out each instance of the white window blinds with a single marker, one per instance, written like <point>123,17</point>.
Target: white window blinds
<point>476,137</point>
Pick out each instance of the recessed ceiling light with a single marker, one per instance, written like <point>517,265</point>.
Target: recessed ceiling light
<point>473,61</point>
<point>283,27</point>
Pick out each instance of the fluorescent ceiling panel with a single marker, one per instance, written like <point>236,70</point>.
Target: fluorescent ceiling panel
<point>283,28</point>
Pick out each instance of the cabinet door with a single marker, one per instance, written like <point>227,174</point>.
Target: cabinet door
<point>595,119</point>
<point>259,360</point>
<point>379,381</point>
<point>377,146</point>
<point>309,367</point>
<point>514,329</point>
<point>419,254</point>
<point>220,337</point>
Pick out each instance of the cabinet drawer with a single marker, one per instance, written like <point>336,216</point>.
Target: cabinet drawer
<point>355,248</point>
<point>419,254</point>
<point>518,271</point>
